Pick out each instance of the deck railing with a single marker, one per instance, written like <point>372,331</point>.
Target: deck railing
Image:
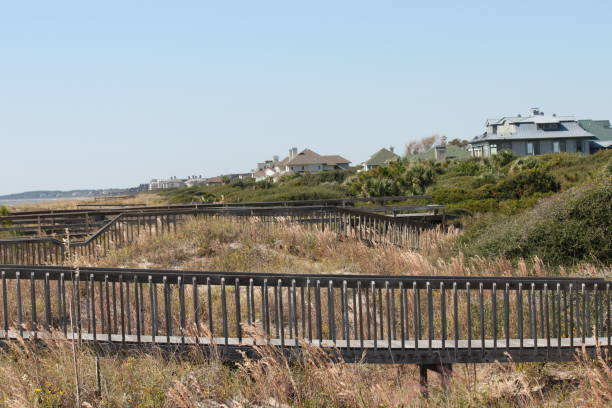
<point>384,319</point>
<point>127,227</point>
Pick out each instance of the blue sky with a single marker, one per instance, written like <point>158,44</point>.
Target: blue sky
<point>113,93</point>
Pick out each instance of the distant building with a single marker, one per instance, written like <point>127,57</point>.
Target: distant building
<point>163,184</point>
<point>441,152</point>
<point>237,176</point>
<point>215,180</point>
<point>380,158</point>
<point>531,135</point>
<point>306,161</point>
<point>193,181</point>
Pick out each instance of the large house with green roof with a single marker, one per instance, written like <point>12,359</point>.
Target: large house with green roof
<point>533,134</point>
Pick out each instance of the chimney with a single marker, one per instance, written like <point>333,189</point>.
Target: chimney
<point>292,152</point>
<point>535,111</point>
<point>391,148</point>
<point>440,152</point>
<point>275,158</point>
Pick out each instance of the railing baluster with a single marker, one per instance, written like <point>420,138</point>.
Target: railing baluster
<point>319,319</point>
<point>181,295</point>
<point>519,311</point>
<point>153,303</point>
<point>468,299</point>
<point>558,331</point>
<point>108,309</point>
<point>294,313</point>
<point>122,305</point>
<point>19,305</point>
<point>48,303</point>
<point>280,324</point>
<point>417,314</point>
<point>237,306</point>
<point>5,310</point>
<point>455,318</point>
<point>507,316</point>
<point>360,312</point>
<point>128,305</point>
<point>402,292</point>
<point>309,307</point>
<point>368,313</point>
<point>196,307</point>
<point>33,321</point>
<point>209,305</point>
<point>443,316</point>
<point>92,306</point>
<point>345,322</point>
<point>388,301</point>
<point>138,309</point>
<point>482,317</point>
<point>494,314</point>
<point>330,311</point>
<point>224,312</point>
<point>265,313</point>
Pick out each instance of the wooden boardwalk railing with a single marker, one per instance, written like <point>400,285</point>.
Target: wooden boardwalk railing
<point>424,320</point>
<point>126,227</point>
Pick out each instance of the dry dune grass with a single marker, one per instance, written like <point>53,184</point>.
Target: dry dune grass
<point>44,377</point>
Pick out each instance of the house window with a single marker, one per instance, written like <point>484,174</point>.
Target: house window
<point>562,146</point>
<point>556,147</point>
<point>549,126</point>
<point>493,148</point>
<point>530,148</point>
<point>579,146</point>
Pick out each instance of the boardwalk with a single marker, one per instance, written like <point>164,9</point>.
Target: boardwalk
<point>127,226</point>
<point>376,319</point>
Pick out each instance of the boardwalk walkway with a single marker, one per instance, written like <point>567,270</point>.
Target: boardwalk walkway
<point>378,319</point>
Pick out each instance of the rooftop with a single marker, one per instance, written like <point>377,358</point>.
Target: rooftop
<point>599,128</point>
<point>307,156</point>
<point>381,157</point>
<point>529,127</point>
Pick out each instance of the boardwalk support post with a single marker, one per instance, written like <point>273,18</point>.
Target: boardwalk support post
<point>445,371</point>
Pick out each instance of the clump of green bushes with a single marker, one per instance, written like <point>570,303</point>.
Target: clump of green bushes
<point>398,178</point>
<point>570,227</point>
<point>295,187</point>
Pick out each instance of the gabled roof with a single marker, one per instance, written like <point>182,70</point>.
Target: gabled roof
<point>307,156</point>
<point>526,128</point>
<point>381,157</point>
<point>599,128</point>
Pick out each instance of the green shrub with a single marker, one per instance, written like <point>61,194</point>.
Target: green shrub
<point>567,228</point>
<point>526,183</point>
<point>4,210</point>
<point>468,167</point>
<point>502,158</point>
<point>396,178</point>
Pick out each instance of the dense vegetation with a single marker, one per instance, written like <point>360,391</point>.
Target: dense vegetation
<point>556,207</point>
<point>330,184</point>
<point>570,227</point>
